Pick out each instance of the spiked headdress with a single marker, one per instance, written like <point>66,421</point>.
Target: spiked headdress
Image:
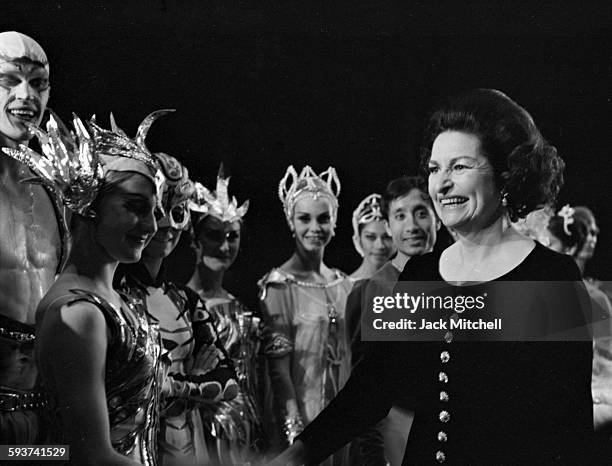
<point>217,203</point>
<point>293,186</point>
<point>74,164</point>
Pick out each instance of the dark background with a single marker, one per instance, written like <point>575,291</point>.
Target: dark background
<point>261,85</point>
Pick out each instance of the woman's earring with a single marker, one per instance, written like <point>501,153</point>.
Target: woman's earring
<point>504,199</point>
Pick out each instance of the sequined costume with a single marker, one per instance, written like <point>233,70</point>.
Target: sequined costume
<point>234,427</point>
<point>133,377</point>
<point>307,321</point>
<point>186,330</point>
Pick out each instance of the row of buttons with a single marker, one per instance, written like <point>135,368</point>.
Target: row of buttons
<point>444,415</point>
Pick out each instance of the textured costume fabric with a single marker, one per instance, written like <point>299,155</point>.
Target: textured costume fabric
<point>234,427</point>
<point>173,308</point>
<point>320,359</point>
<point>505,403</point>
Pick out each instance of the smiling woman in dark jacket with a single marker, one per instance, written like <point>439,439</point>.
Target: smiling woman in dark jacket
<point>482,402</point>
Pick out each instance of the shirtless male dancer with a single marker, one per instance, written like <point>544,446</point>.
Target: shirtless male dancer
<point>31,236</point>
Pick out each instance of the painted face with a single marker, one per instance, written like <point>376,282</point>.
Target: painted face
<point>462,184</point>
<point>125,219</point>
<point>24,92</point>
<point>590,242</point>
<point>219,242</point>
<point>312,223</point>
<point>413,223</point>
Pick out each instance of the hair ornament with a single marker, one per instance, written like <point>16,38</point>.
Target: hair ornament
<point>567,214</point>
<point>217,203</point>
<point>369,210</point>
<point>292,186</point>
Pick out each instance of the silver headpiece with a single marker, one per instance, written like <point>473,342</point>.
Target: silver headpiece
<point>294,186</point>
<point>217,203</point>
<point>74,164</point>
<point>369,210</point>
<point>178,190</point>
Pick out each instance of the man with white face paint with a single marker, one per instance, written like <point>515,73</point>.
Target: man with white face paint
<point>31,235</point>
<point>413,225</point>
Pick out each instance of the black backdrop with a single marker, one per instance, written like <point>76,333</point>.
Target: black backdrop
<point>261,85</point>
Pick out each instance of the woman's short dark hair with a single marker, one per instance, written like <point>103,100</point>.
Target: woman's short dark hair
<point>527,169</point>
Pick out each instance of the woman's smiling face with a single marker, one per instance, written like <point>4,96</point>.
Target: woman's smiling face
<point>312,222</point>
<point>462,183</point>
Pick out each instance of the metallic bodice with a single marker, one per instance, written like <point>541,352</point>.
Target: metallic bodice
<point>238,331</point>
<point>133,378</point>
<point>237,421</point>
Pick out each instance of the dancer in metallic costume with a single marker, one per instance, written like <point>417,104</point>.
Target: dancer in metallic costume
<point>303,303</point>
<point>32,236</point>
<point>100,357</point>
<point>233,428</point>
<point>201,372</point>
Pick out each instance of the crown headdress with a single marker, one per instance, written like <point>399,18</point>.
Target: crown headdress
<point>217,203</point>
<point>74,164</point>
<point>292,186</point>
<point>368,210</point>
